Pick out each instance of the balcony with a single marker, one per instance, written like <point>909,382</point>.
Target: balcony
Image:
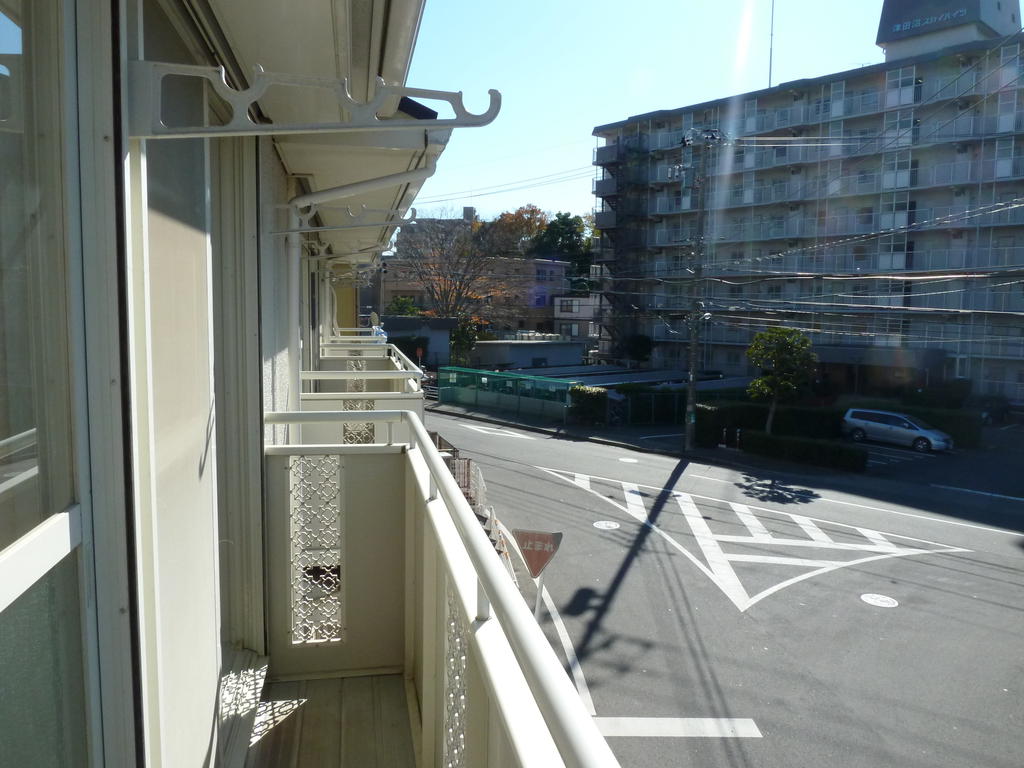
<point>378,563</point>
<point>362,377</point>
<point>605,220</point>
<point>606,187</point>
<point>666,140</point>
<point>608,154</point>
<point>668,205</point>
<point>668,236</point>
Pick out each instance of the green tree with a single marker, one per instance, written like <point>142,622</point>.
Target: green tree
<point>463,339</point>
<point>401,305</point>
<point>512,233</point>
<point>787,365</point>
<point>565,238</point>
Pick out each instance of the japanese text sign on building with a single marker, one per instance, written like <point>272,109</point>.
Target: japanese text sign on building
<point>538,547</point>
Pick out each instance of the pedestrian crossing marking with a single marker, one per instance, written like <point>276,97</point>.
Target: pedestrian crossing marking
<point>717,559</point>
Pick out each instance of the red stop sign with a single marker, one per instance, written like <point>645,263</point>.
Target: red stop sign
<point>538,547</point>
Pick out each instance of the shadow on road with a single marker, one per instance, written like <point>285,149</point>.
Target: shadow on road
<point>598,604</point>
<point>775,491</point>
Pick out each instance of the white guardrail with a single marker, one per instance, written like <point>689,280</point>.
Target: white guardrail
<point>507,656</point>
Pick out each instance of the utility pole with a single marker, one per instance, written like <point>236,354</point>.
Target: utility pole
<point>702,140</point>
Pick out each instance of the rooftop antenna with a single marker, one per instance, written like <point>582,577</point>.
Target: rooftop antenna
<point>771,44</point>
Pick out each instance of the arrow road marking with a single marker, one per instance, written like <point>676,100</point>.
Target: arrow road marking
<point>717,561</point>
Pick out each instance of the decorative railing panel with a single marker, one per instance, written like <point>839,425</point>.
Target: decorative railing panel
<point>316,549</point>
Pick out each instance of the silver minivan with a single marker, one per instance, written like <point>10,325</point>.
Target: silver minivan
<point>885,426</point>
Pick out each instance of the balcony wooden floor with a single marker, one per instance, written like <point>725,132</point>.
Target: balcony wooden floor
<point>337,723</point>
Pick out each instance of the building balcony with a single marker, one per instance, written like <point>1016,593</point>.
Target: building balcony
<point>670,236</point>
<point>668,174</point>
<point>936,131</point>
<point>824,261</point>
<point>608,154</point>
<point>606,187</point>
<point>382,576</point>
<point>663,140</point>
<point>605,220</point>
<point>661,206</point>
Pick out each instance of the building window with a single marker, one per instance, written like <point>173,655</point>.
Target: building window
<point>900,87</point>
<point>569,305</point>
<point>541,300</point>
<point>42,707</point>
<point>570,329</point>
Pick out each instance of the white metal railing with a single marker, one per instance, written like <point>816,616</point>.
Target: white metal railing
<point>338,354</point>
<point>21,473</point>
<point>17,443</point>
<point>373,334</point>
<point>473,629</point>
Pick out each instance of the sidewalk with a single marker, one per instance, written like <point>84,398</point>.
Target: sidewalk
<point>663,439</point>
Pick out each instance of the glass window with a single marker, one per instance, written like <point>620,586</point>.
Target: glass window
<point>35,432</point>
<point>42,710</point>
<point>42,720</point>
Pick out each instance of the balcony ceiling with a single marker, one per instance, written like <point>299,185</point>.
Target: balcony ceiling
<point>355,39</point>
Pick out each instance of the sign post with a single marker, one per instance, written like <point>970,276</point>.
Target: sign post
<point>537,549</point>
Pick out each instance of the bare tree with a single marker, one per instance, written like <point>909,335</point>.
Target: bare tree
<point>454,262</point>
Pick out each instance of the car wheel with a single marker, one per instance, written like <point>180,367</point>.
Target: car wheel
<point>922,445</point>
<point>858,435</point>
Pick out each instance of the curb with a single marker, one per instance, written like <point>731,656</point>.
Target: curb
<point>713,461</point>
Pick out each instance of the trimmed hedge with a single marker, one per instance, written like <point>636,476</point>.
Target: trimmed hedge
<point>822,453</point>
<point>792,421</point>
<point>707,431</point>
<point>588,405</point>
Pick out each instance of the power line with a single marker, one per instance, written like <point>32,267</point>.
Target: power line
<point>551,178</point>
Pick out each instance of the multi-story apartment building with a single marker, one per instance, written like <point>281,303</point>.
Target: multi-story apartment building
<point>575,317</point>
<point>225,536</point>
<point>878,209</point>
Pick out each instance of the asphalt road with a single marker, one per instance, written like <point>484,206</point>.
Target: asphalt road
<point>723,618</point>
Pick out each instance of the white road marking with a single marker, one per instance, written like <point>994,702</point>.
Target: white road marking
<point>814,533</point>
<point>780,560</point>
<point>583,481</point>
<point>629,461</point>
<point>570,653</point>
<point>606,525</point>
<point>757,530</point>
<point>838,545</point>
<point>499,431</point>
<point>879,601</point>
<point>901,453</point>
<point>1008,426</point>
<point>717,565</point>
<point>679,727</point>
<point>724,574</point>
<point>920,517</point>
<point>655,437</point>
<point>876,538</point>
<point>634,502</point>
<point>563,635</point>
<point>980,493</point>
<point>828,499</point>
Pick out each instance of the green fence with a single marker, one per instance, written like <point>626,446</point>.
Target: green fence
<point>512,392</point>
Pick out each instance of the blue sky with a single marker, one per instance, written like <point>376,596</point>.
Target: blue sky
<point>564,66</point>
